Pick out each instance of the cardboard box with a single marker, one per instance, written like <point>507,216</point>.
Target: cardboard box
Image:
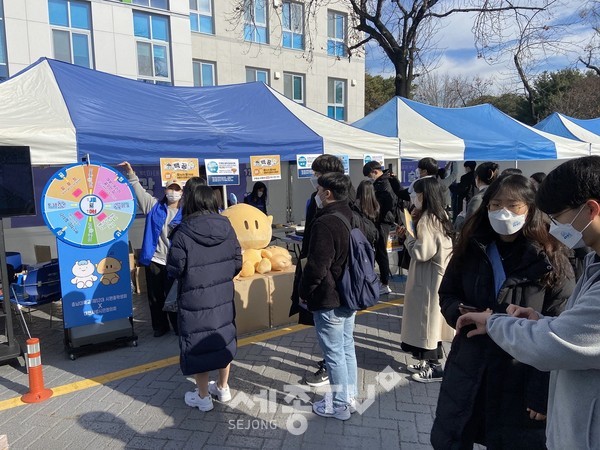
<point>251,304</point>
<point>280,291</point>
<point>43,253</point>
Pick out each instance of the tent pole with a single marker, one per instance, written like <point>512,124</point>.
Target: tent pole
<point>225,205</point>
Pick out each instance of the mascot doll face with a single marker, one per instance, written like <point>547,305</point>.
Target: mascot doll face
<point>251,225</point>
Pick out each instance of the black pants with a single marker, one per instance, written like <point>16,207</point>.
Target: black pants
<point>381,254</point>
<point>158,285</point>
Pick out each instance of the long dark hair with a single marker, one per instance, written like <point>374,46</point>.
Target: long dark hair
<point>366,200</point>
<point>199,198</point>
<point>254,194</point>
<point>434,201</point>
<point>535,229</point>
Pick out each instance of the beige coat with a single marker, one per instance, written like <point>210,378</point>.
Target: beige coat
<point>422,323</point>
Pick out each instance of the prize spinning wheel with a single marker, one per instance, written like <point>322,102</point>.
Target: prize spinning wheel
<point>88,205</point>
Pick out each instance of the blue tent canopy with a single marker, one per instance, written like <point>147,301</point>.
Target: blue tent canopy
<point>65,111</point>
<point>480,132</point>
<point>585,130</point>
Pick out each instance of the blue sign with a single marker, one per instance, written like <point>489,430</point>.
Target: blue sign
<point>223,180</point>
<point>304,165</point>
<point>95,282</point>
<point>346,162</point>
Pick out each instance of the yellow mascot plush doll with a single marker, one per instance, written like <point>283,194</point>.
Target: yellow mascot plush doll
<point>253,230</point>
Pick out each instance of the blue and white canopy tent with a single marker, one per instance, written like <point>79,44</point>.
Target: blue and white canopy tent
<point>63,112</point>
<point>585,130</point>
<point>478,133</point>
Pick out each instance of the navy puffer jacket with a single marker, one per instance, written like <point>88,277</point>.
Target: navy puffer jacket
<point>204,256</point>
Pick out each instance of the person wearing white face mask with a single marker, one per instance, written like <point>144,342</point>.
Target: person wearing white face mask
<point>567,345</point>
<point>505,257</point>
<point>161,217</point>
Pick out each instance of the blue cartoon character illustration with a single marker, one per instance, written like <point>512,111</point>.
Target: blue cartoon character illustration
<point>84,274</point>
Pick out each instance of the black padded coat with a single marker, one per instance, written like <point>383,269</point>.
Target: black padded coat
<point>204,256</point>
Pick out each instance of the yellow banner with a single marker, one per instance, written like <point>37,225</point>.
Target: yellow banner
<point>178,169</point>
<point>265,167</point>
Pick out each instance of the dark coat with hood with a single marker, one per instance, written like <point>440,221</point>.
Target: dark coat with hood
<point>204,256</point>
<point>386,198</point>
<point>485,392</point>
<point>312,211</point>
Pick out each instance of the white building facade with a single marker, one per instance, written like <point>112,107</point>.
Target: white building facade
<point>195,42</point>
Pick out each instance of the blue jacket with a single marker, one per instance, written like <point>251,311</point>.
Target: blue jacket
<point>155,221</point>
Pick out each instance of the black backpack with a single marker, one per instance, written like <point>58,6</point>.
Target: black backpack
<point>358,287</point>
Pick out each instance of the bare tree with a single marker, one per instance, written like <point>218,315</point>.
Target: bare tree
<point>404,29</point>
<point>449,91</point>
<point>534,37</point>
<point>590,13</point>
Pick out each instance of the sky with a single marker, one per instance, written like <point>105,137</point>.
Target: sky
<point>458,56</point>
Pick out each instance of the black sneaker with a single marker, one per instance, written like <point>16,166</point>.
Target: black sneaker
<point>429,375</point>
<point>319,378</point>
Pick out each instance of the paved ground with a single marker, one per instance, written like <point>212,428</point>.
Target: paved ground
<point>132,397</point>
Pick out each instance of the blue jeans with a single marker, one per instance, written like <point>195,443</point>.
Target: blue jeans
<point>334,332</point>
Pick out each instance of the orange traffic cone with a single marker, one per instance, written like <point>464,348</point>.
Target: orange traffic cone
<point>36,393</point>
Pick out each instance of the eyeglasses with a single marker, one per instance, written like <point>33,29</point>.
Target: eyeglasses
<point>556,216</point>
<point>514,207</point>
<point>553,218</point>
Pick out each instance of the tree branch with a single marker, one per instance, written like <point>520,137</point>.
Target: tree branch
<point>484,10</point>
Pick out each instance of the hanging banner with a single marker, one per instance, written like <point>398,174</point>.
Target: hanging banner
<point>178,169</point>
<point>304,163</point>
<point>368,157</point>
<point>265,167</point>
<point>346,162</point>
<point>89,208</point>
<point>222,172</point>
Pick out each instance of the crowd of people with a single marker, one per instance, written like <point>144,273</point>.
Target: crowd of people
<point>494,266</point>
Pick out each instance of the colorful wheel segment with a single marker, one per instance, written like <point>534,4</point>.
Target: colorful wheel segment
<point>88,205</point>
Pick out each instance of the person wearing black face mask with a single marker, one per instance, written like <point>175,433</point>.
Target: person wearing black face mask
<point>505,257</point>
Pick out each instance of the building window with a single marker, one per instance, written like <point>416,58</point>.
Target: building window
<point>153,53</point>
<point>336,99</point>
<point>160,4</point>
<point>293,25</point>
<point>201,16</point>
<point>253,74</point>
<point>70,21</point>
<point>336,34</point>
<point>293,87</point>
<point>3,57</point>
<point>204,73</point>
<point>255,21</point>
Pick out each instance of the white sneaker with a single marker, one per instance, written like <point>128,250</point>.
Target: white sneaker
<point>384,289</point>
<point>222,394</point>
<point>325,408</point>
<point>195,401</point>
<point>352,405</point>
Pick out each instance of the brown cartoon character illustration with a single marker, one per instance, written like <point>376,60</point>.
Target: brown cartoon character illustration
<point>108,268</point>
